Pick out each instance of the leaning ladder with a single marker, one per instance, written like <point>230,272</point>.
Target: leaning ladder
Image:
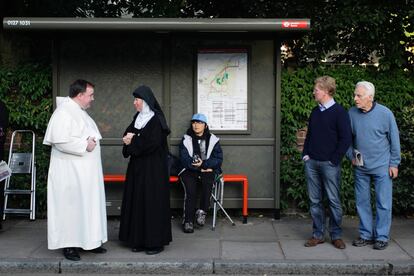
<point>21,163</point>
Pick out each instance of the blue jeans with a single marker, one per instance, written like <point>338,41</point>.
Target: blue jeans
<point>383,202</point>
<point>324,178</point>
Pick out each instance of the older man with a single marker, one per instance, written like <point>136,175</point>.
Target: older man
<point>76,210</point>
<point>327,140</point>
<point>376,156</point>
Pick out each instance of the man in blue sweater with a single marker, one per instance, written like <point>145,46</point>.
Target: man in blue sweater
<point>327,140</point>
<point>376,155</point>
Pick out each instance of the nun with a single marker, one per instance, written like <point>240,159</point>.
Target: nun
<point>145,212</point>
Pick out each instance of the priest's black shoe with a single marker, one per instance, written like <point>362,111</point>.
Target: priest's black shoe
<point>71,253</point>
<point>98,250</point>
<point>154,250</point>
<point>137,249</point>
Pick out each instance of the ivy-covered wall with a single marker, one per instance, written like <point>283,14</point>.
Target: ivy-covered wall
<point>27,92</point>
<point>393,89</point>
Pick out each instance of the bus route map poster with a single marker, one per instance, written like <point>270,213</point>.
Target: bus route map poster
<point>222,88</point>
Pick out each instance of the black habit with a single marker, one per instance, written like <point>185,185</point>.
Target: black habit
<point>145,211</point>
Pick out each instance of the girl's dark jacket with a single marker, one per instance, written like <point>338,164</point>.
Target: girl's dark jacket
<point>214,154</point>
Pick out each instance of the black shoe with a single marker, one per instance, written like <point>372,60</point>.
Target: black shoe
<point>362,242</point>
<point>154,250</point>
<point>98,250</point>
<point>137,249</point>
<point>71,253</point>
<point>380,245</point>
<point>188,227</point>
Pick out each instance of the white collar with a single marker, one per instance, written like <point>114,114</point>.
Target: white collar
<point>144,116</point>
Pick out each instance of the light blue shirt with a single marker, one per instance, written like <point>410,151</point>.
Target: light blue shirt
<point>375,135</point>
<point>323,107</point>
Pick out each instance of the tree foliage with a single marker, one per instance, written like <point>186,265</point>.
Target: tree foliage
<point>404,195</point>
<point>27,93</point>
<point>351,31</point>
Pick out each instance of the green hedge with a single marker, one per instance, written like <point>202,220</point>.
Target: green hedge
<point>27,93</point>
<point>393,89</point>
<point>26,90</point>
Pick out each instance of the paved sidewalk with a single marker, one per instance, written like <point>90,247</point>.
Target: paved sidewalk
<point>262,246</point>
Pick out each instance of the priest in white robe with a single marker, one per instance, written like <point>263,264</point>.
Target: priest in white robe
<point>76,208</point>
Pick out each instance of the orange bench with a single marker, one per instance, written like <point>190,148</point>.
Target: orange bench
<point>173,179</point>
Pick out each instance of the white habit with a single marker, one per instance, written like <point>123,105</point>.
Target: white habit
<point>76,207</point>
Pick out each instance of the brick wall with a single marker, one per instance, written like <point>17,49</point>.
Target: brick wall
<point>300,138</point>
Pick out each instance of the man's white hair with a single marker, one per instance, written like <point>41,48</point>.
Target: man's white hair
<point>369,87</point>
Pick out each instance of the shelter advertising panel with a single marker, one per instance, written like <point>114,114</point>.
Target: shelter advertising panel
<point>222,88</point>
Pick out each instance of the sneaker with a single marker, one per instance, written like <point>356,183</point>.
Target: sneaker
<point>188,227</point>
<point>380,245</point>
<point>201,217</point>
<point>361,242</point>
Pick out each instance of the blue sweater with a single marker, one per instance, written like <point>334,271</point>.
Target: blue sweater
<point>329,134</point>
<point>375,135</point>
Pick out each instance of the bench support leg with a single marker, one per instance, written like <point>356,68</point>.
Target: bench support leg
<point>277,213</point>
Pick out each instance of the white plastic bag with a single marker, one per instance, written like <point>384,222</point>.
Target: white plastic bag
<point>5,170</point>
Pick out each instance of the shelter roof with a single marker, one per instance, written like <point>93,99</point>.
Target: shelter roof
<point>157,24</point>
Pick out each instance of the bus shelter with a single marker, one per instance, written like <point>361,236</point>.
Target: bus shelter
<point>229,69</point>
